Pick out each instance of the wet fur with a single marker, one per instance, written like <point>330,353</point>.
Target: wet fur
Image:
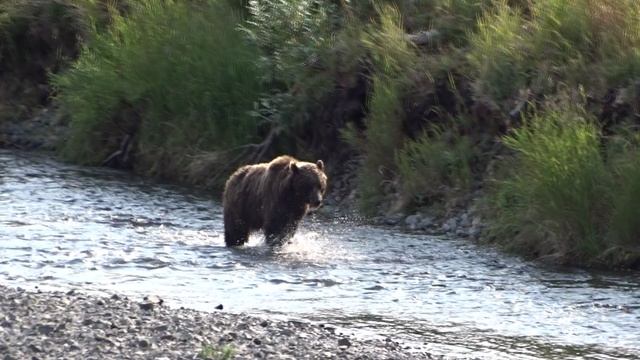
<point>272,197</point>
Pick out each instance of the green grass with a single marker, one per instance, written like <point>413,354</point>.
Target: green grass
<point>393,57</point>
<point>211,352</point>
<point>178,75</point>
<point>381,139</point>
<point>498,53</point>
<point>433,168</point>
<point>547,45</point>
<point>556,198</point>
<point>624,158</point>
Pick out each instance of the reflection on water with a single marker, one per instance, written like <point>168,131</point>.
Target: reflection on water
<point>64,226</point>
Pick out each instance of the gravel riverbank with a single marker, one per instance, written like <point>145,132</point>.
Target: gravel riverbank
<point>73,325</point>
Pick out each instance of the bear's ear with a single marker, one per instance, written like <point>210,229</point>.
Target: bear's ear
<point>320,165</point>
<point>294,167</point>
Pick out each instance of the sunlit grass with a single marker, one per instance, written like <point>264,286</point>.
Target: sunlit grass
<point>176,75</point>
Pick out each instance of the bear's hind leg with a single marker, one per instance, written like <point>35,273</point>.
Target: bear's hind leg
<point>235,232</point>
<point>235,237</point>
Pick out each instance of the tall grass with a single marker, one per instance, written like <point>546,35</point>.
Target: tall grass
<point>381,139</point>
<point>556,197</point>
<point>624,164</point>
<point>177,75</point>
<point>498,53</point>
<point>434,167</point>
<point>393,58</point>
<point>592,43</point>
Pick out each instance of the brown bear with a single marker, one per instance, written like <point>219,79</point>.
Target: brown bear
<point>273,197</point>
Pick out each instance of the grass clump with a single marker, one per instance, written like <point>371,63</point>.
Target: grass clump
<point>434,167</point>
<point>498,53</point>
<point>37,37</point>
<point>546,45</point>
<point>176,76</point>
<point>392,57</point>
<point>211,352</point>
<point>556,196</point>
<point>624,157</point>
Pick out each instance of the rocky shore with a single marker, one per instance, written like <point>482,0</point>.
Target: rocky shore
<point>73,325</point>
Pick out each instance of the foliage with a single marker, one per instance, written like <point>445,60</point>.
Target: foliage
<point>593,43</point>
<point>558,188</point>
<point>177,74</point>
<point>382,138</point>
<point>436,166</point>
<point>392,56</point>
<point>497,53</point>
<point>456,18</point>
<point>290,34</point>
<point>210,352</point>
<point>624,158</point>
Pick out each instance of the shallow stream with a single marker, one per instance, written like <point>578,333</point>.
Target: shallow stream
<point>64,226</point>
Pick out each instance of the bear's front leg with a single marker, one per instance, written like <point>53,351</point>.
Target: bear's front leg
<point>277,233</point>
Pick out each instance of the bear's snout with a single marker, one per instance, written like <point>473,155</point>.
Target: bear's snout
<point>316,200</point>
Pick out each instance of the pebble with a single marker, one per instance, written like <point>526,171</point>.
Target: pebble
<point>120,328</point>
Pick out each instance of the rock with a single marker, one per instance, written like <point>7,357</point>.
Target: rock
<point>450,225</point>
<point>428,37</point>
<point>104,339</point>
<point>426,223</point>
<point>392,219</point>
<point>464,220</point>
<point>143,343</point>
<point>168,337</point>
<point>161,328</point>
<point>45,329</point>
<point>413,221</point>
<point>34,348</point>
<point>219,307</point>
<point>162,333</point>
<point>344,342</point>
<point>150,302</point>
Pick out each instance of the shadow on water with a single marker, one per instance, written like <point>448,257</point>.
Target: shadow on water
<point>106,231</point>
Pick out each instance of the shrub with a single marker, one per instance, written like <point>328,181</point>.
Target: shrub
<point>434,167</point>
<point>211,352</point>
<point>393,59</point>
<point>382,137</point>
<point>498,53</point>
<point>37,37</point>
<point>177,75</point>
<point>457,18</point>
<point>555,197</point>
<point>290,34</point>
<point>624,164</point>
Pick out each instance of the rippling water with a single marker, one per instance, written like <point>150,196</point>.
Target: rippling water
<point>63,226</point>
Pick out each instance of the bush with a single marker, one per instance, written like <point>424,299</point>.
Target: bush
<point>555,199</point>
<point>393,58</point>
<point>433,168</point>
<point>176,75</point>
<point>591,43</point>
<point>37,37</point>
<point>498,53</point>
<point>624,164</point>
<point>290,34</point>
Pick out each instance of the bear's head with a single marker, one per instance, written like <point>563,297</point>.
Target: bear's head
<point>308,182</point>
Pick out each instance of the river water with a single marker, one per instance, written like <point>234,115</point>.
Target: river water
<point>64,226</point>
